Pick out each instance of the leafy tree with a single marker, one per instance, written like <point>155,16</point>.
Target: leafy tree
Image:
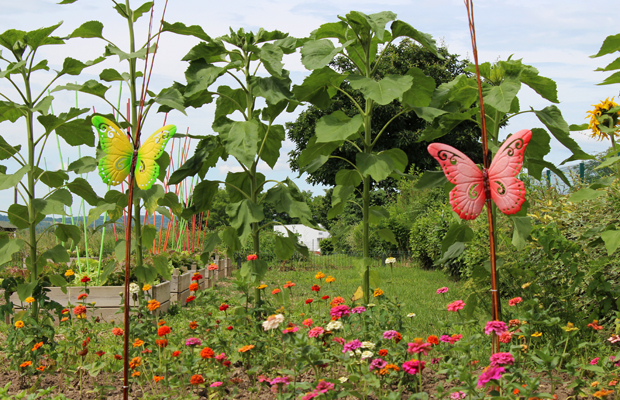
<point>403,132</point>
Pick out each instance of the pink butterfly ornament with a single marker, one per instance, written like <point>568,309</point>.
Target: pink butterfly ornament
<point>475,186</point>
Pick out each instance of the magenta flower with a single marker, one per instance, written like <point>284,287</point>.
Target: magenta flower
<point>458,395</point>
<point>413,367</point>
<point>310,395</point>
<point>316,332</point>
<point>358,310</point>
<point>324,387</point>
<point>498,327</point>
<point>490,373</point>
<point>455,338</point>
<point>340,311</point>
<point>419,347</point>
<point>455,306</point>
<point>281,380</point>
<point>352,345</point>
<point>215,384</point>
<point>193,342</point>
<point>594,361</point>
<point>390,334</point>
<point>339,340</point>
<point>499,359</point>
<point>442,290</point>
<point>220,357</point>
<point>377,363</point>
<point>290,329</point>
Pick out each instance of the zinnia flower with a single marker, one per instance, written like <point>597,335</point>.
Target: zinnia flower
<point>515,301</point>
<point>82,296</point>
<point>197,380</point>
<point>594,325</point>
<point>85,279</point>
<point>490,373</point>
<point>194,287</point>
<point>499,359</point>
<point>316,332</point>
<point>419,346</point>
<point>378,292</point>
<point>442,290</point>
<point>432,339</point>
<point>498,327</point>
<point>307,322</point>
<point>157,378</point>
<point>455,306</point>
<point>212,267</point>
<point>352,345</point>
<point>224,307</point>
<point>163,331</point>
<point>153,305</point>
<point>69,272</point>
<point>246,348</point>
<point>19,324</point>
<point>413,367</point>
<point>207,353</point>
<point>275,291</point>
<point>330,279</point>
<point>79,310</point>
<point>193,342</point>
<point>146,287</point>
<point>319,275</point>
<point>316,288</point>
<point>289,284</point>
<point>37,346</point>
<point>309,301</point>
<point>29,300</point>
<point>190,299</point>
<point>25,364</point>
<point>252,257</point>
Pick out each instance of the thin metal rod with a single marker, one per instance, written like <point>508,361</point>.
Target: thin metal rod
<point>486,160</point>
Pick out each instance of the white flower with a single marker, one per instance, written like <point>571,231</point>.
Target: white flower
<point>334,325</point>
<point>366,354</point>
<point>343,379</point>
<point>371,305</point>
<point>273,322</point>
<point>410,315</point>
<point>368,345</point>
<point>390,260</point>
<point>351,354</point>
<point>134,288</point>
<point>358,352</point>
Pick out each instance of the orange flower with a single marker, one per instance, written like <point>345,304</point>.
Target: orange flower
<point>193,325</point>
<point>163,331</point>
<point>41,368</point>
<point>516,391</point>
<point>64,319</point>
<point>378,292</point>
<point>288,284</point>
<point>432,339</point>
<point>594,325</point>
<point>138,343</point>
<point>602,393</point>
<point>160,323</point>
<point>157,378</point>
<point>25,364</point>
<point>197,380</point>
<point>383,352</point>
<point>613,383</point>
<point>246,348</point>
<point>337,301</point>
<point>153,305</point>
<point>161,343</point>
<point>37,346</point>
<point>135,373</point>
<point>275,291</point>
<point>207,353</point>
<point>194,287</point>
<point>135,362</point>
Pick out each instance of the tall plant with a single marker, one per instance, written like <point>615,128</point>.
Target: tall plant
<point>252,138</point>
<point>363,40</point>
<point>27,100</point>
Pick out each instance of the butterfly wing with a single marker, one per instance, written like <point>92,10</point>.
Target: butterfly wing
<point>147,169</point>
<point>358,295</point>
<point>114,166</point>
<point>467,197</point>
<point>507,191</point>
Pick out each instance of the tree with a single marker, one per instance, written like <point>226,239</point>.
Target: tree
<point>403,132</point>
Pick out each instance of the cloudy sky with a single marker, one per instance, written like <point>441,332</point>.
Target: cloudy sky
<point>555,37</point>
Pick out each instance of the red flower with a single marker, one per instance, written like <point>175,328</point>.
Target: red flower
<point>194,287</point>
<point>163,331</point>
<point>398,337</point>
<point>432,339</point>
<point>176,353</point>
<point>78,310</point>
<point>309,301</point>
<point>230,328</point>
<point>161,343</point>
<point>85,279</point>
<point>224,307</point>
<point>226,363</point>
<point>147,351</point>
<point>197,380</point>
<point>197,277</point>
<point>316,288</point>
<point>383,352</point>
<point>100,353</point>
<point>275,291</point>
<point>190,299</point>
<point>207,353</point>
<point>118,356</point>
<point>86,342</point>
<point>326,297</point>
<point>515,301</point>
<point>117,332</point>
<point>252,257</point>
<point>82,296</point>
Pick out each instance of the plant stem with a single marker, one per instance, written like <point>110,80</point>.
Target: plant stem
<point>32,213</point>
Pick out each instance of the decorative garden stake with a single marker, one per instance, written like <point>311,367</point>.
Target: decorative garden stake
<point>496,182</point>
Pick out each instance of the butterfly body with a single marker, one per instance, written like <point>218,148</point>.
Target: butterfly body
<point>474,186</point>
<point>114,167</point>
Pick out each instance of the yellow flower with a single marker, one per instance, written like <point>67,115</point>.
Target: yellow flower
<point>319,275</point>
<point>601,115</point>
<point>19,324</point>
<point>570,327</point>
<point>594,384</point>
<point>261,287</point>
<point>378,292</point>
<point>138,343</point>
<point>69,272</point>
<point>329,279</point>
<point>526,285</point>
<point>29,300</point>
<point>537,334</point>
<point>81,316</point>
<point>146,287</point>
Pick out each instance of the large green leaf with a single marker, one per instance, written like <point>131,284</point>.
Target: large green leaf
<point>501,97</point>
<point>551,117</point>
<point>8,247</point>
<point>84,165</point>
<point>77,132</point>
<point>49,207</point>
<point>443,124</point>
<point>282,199</point>
<point>399,157</point>
<point>231,239</point>
<point>170,99</point>
<point>57,254</point>
<point>340,196</point>
<point>161,266</point>
<point>400,28</point>
<point>337,127</point>
<point>65,233</point>
<point>545,87</point>
<point>148,235</point>
<point>229,101</point>
<point>610,45</point>
<point>63,196</point>
<point>6,150</point>
<point>52,179</point>
<point>82,188</point>
<point>348,177</point>
<point>207,153</point>
<point>90,29</point>
<point>421,90</point>
<point>272,136</point>
<point>271,56</point>
<point>91,87</point>
<point>10,181</point>
<point>200,75</point>
<point>522,229</point>
<point>18,216</point>
<point>210,242</point>
<point>181,29</point>
<point>376,214</point>
<point>387,235</point>
<point>103,207</point>
<point>383,91</point>
<point>202,197</point>
<point>242,141</point>
<point>171,201</point>
<point>318,53</point>
<point>237,182</point>
<point>284,247</point>
<point>457,233</point>
<point>611,239</point>
<point>316,154</point>
<point>273,89</point>
<point>145,274</point>
<point>378,166</point>
<point>319,87</point>
<point>242,215</point>
<point>150,197</point>
<point>585,194</point>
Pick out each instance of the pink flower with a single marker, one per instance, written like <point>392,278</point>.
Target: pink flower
<point>215,384</point>
<point>310,395</point>
<point>499,359</point>
<point>515,301</point>
<point>316,332</point>
<point>505,337</point>
<point>340,311</point>
<point>498,327</point>
<point>307,322</point>
<point>377,363</point>
<point>419,346</point>
<point>594,361</point>
<point>220,357</point>
<point>442,290</point>
<point>281,380</point>
<point>358,310</point>
<point>339,340</point>
<point>324,387</point>
<point>352,345</point>
<point>614,338</point>
<point>457,395</point>
<point>390,334</point>
<point>252,257</point>
<point>455,306</point>
<point>413,367</point>
<point>290,329</point>
<point>490,373</point>
<point>455,338</point>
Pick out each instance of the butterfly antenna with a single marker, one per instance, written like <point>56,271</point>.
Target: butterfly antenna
<point>472,32</point>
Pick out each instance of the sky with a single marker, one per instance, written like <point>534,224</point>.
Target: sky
<point>557,38</point>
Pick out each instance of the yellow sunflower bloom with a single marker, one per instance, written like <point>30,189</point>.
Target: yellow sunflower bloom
<point>600,114</point>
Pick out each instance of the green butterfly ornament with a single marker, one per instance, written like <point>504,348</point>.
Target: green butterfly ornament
<point>114,166</point>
